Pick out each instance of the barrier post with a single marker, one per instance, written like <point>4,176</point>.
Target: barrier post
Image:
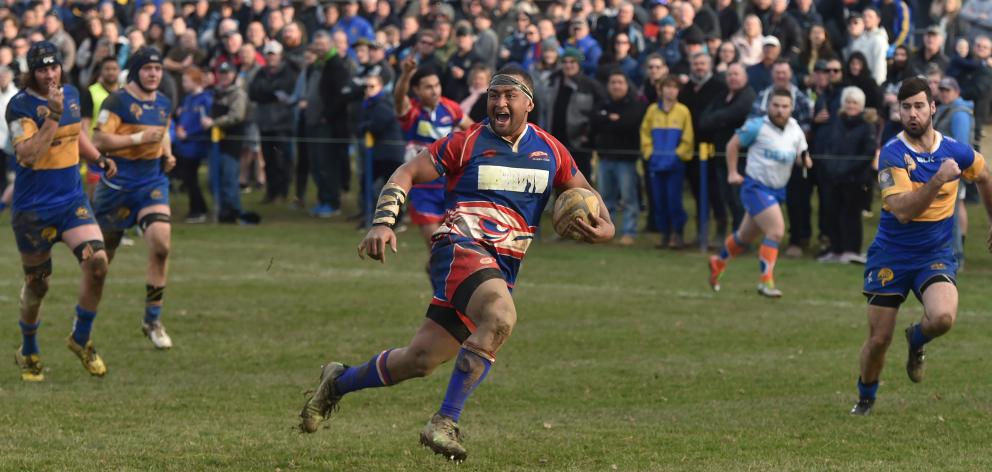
<point>368,206</point>
<point>704,197</point>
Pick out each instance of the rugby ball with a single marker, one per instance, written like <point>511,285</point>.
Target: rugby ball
<point>573,204</point>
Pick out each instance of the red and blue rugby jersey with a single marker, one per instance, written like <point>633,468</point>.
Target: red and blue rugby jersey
<point>422,127</point>
<point>497,190</point>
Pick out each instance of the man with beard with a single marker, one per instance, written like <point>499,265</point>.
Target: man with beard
<point>49,205</point>
<point>775,145</point>
<point>919,174</point>
<point>501,175</point>
<point>133,129</point>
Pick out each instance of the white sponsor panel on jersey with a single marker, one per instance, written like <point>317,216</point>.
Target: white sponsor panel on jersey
<point>513,179</point>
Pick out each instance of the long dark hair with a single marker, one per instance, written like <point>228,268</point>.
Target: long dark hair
<point>27,80</point>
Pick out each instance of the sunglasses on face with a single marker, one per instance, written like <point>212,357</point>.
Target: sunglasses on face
<point>834,71</point>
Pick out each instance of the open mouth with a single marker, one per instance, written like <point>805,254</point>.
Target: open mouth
<point>502,118</point>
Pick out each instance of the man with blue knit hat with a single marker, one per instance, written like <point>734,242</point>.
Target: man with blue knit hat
<point>132,128</point>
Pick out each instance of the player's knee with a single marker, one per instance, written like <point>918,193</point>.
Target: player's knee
<point>96,266</point>
<point>775,234</point>
<point>941,322</point>
<point>502,317</point>
<point>421,362</point>
<point>160,250</point>
<point>880,341</point>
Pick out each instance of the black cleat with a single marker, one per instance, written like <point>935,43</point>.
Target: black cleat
<point>915,366</point>
<point>863,407</point>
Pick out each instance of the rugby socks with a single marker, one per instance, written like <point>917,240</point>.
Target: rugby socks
<point>371,374</point>
<point>867,390</point>
<point>767,254</point>
<point>82,326</point>
<point>153,303</point>
<point>917,338</point>
<point>29,338</point>
<point>732,247</point>
<point>470,370</point>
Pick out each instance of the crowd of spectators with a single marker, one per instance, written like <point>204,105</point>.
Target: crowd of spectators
<point>283,93</point>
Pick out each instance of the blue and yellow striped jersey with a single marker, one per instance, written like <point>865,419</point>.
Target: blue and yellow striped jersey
<point>902,169</point>
<point>53,179</point>
<point>123,114</point>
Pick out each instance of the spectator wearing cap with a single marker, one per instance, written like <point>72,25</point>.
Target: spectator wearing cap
<point>454,82</point>
<point>719,120</point>
<point>668,42</point>
<point>271,91</point>
<point>805,13</point>
<point>750,41</point>
<point>692,42</point>
<point>580,39</point>
<point>730,20</point>
<point>193,139</point>
<point>932,52</point>
<point>572,96</point>
<point>760,75</point>
<point>955,118</point>
<point>55,33</point>
<point>657,10</point>
<point>615,128</point>
<point>228,118</point>
<point>783,26</point>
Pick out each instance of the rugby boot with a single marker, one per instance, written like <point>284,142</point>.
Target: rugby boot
<point>443,437</point>
<point>31,369</point>
<point>156,332</point>
<point>863,407</point>
<point>88,356</point>
<point>915,366</point>
<point>768,289</point>
<point>324,400</point>
<point>717,267</point>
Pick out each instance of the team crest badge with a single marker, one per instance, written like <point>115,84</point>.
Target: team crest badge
<point>885,275</point>
<point>937,266</point>
<point>42,111</point>
<point>486,260</point>
<point>123,213</point>
<point>156,194</point>
<point>910,163</point>
<point>49,233</point>
<point>539,156</point>
<point>489,153</point>
<point>136,111</point>
<point>82,213</point>
<point>74,110</point>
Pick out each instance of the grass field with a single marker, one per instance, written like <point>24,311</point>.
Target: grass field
<point>622,360</point>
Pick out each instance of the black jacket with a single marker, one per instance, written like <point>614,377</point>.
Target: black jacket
<point>848,148</point>
<point>722,118</point>
<point>698,100</point>
<point>620,135</point>
<point>336,93</point>
<point>378,117</point>
<point>272,114</point>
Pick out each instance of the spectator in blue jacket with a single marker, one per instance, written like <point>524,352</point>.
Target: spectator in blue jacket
<point>580,39</point>
<point>193,140</point>
<point>353,24</point>
<point>380,130</point>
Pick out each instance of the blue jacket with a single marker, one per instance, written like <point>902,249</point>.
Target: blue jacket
<point>957,120</point>
<point>197,142</point>
<point>592,51</point>
<point>355,27</point>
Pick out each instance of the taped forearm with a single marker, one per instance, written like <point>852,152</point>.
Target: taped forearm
<point>387,209</point>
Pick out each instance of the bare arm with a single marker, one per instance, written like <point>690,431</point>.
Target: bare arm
<point>733,151</point>
<point>419,170</point>
<point>906,206</point>
<point>30,150</point>
<point>601,230</point>
<point>402,87</point>
<point>109,142</point>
